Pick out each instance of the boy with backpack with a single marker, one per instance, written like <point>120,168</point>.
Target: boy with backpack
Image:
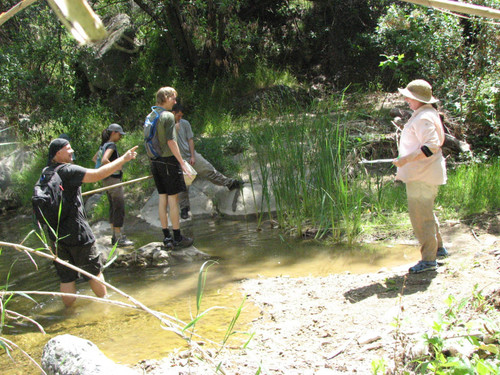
<point>73,239</point>
<point>167,165</point>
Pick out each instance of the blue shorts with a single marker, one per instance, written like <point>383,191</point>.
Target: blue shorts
<point>168,176</point>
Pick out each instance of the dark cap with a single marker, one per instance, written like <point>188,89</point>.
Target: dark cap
<point>116,128</point>
<point>65,136</point>
<point>55,146</point>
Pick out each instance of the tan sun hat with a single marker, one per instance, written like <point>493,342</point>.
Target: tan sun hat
<point>419,90</point>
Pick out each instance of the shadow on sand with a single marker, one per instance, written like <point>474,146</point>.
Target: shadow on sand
<point>392,287</point>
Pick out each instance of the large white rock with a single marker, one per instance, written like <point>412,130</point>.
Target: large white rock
<point>71,355</point>
<point>207,199</point>
<point>248,201</point>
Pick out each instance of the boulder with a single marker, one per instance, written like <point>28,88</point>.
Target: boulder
<point>14,162</point>
<point>91,202</point>
<point>154,254</point>
<point>207,199</point>
<point>248,201</point>
<point>71,355</point>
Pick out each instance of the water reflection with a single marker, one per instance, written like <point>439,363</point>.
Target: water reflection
<point>127,335</point>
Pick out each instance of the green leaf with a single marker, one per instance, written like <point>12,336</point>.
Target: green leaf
<point>198,317</point>
<point>27,296</point>
<point>492,348</point>
<point>5,347</point>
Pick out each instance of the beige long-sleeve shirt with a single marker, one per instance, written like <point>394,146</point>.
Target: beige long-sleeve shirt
<point>424,128</point>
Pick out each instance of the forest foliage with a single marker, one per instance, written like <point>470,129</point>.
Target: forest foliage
<point>220,55</point>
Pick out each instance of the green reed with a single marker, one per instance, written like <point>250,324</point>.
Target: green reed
<point>472,189</point>
<point>305,161</point>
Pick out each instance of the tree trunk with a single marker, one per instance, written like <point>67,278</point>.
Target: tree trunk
<point>162,23</point>
<point>182,35</point>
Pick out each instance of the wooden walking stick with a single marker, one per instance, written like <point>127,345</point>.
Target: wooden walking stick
<point>116,185</point>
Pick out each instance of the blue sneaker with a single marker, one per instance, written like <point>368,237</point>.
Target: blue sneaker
<point>442,252</point>
<point>423,266</point>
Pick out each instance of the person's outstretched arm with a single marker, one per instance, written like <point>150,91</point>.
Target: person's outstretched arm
<point>94,175</point>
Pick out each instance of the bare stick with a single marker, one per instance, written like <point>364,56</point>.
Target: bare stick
<point>116,185</point>
<point>22,351</point>
<point>458,6</point>
<point>5,16</point>
<point>27,318</point>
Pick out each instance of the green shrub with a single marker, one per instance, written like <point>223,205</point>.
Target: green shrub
<point>459,57</point>
<point>471,189</point>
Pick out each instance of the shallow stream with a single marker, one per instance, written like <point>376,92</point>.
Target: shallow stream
<point>128,336</point>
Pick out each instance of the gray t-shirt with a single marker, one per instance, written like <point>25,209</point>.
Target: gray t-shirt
<point>184,133</point>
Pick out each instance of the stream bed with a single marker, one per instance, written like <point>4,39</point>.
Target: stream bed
<point>127,335</point>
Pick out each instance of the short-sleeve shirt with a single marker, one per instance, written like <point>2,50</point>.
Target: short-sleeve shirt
<point>184,133</point>
<point>74,228</point>
<point>166,132</point>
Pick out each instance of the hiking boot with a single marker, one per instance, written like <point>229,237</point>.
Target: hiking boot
<point>122,241</point>
<point>423,266</point>
<point>168,242</point>
<point>183,242</point>
<point>236,184</point>
<point>442,252</point>
<point>185,213</point>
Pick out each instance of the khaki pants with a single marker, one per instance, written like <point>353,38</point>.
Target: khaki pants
<point>205,170</point>
<point>425,225</point>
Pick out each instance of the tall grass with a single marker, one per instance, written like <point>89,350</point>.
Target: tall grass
<point>472,189</point>
<point>304,159</point>
<point>307,164</point>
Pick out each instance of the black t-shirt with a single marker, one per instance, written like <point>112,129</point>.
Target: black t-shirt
<point>114,156</point>
<point>74,228</point>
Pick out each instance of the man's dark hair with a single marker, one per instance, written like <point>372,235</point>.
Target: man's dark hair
<point>177,108</point>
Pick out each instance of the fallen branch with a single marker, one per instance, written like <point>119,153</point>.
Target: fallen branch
<point>5,16</point>
<point>341,350</point>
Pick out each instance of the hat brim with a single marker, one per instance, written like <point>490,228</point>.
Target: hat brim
<point>407,93</point>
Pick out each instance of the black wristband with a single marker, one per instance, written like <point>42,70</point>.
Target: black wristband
<point>426,151</point>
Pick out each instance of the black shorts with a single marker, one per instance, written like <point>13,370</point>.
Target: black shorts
<point>168,176</point>
<point>86,257</point>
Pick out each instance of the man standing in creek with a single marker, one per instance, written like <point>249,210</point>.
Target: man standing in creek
<point>76,242</point>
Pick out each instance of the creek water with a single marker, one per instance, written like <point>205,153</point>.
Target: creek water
<point>128,336</point>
